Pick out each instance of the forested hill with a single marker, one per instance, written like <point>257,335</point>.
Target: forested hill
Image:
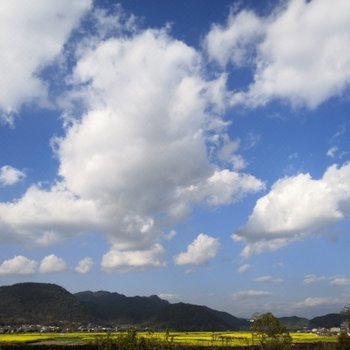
<point>156,313</point>
<point>32,303</point>
<point>48,304</point>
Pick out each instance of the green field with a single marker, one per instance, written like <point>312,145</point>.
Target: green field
<point>183,338</point>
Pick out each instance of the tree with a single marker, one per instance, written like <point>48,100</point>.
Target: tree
<point>271,333</point>
<point>343,340</point>
<point>346,312</point>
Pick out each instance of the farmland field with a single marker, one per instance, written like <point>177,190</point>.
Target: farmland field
<point>183,338</point>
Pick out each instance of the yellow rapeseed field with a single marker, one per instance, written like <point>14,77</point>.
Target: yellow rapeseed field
<point>184,338</point>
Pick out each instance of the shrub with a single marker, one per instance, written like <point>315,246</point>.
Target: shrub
<point>131,341</point>
<point>343,341</point>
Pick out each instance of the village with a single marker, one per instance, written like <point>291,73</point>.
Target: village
<point>69,327</point>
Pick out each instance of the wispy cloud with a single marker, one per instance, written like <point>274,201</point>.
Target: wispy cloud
<point>318,301</point>
<point>310,279</point>
<point>248,294</point>
<point>243,268</point>
<point>332,152</point>
<point>339,281</point>
<point>269,279</point>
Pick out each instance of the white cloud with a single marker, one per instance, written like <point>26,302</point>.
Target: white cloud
<point>166,140</point>
<point>232,42</point>
<point>332,152</point>
<point>222,187</point>
<point>318,301</point>
<point>32,35</point>
<point>249,294</point>
<point>107,23</point>
<point>333,280</point>
<point>299,51</point>
<point>52,263</point>
<point>310,279</point>
<point>18,265</point>
<point>243,268</point>
<point>268,279</point>
<point>42,217</point>
<point>228,153</point>
<point>200,251</point>
<point>341,131</point>
<point>84,265</point>
<point>162,140</point>
<point>10,175</point>
<point>148,110</point>
<point>295,208</point>
<point>170,235</point>
<point>133,259</point>
<point>339,281</point>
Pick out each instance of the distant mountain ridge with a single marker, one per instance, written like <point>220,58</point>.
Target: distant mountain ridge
<point>155,312</point>
<point>50,304</point>
<point>294,322</point>
<point>325,321</point>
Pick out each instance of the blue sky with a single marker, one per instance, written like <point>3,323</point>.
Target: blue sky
<point>194,150</point>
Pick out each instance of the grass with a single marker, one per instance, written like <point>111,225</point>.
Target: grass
<point>183,338</point>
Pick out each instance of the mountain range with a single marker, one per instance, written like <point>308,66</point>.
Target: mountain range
<point>49,304</point>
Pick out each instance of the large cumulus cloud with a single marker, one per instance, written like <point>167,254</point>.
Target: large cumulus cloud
<point>295,208</point>
<point>141,155</point>
<point>32,35</point>
<point>299,53</point>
